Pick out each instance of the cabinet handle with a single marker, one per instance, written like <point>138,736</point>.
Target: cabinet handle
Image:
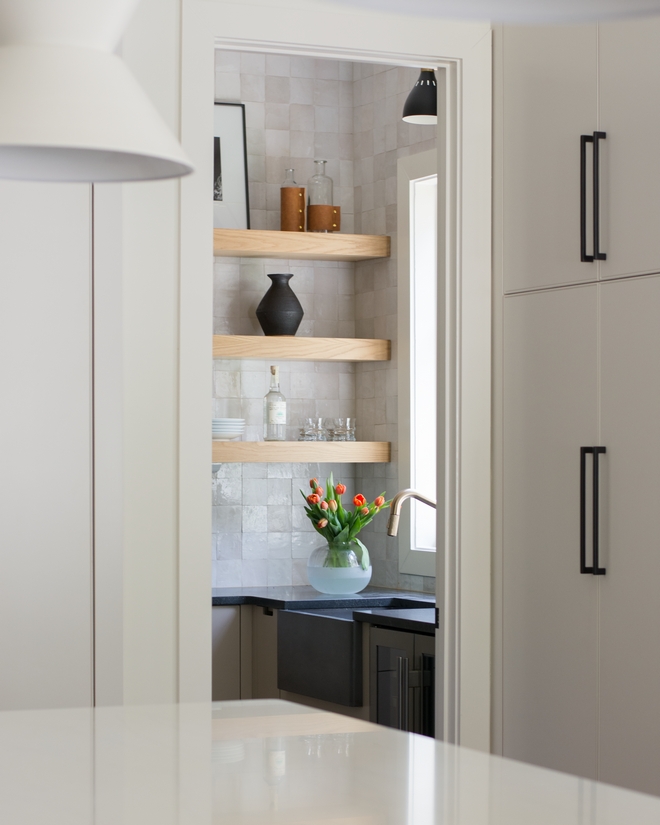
<point>584,139</point>
<point>598,255</point>
<point>594,569</point>
<point>402,691</point>
<point>597,571</point>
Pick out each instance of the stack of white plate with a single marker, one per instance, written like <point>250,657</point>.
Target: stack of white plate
<point>225,429</point>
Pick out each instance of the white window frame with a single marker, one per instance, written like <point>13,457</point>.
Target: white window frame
<point>409,169</point>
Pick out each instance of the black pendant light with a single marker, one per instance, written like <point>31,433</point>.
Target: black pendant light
<point>421,105</point>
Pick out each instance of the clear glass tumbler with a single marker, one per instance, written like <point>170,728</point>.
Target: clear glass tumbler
<point>340,432</point>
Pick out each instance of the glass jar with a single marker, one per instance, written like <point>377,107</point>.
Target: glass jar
<point>292,204</point>
<point>339,567</point>
<point>319,186</point>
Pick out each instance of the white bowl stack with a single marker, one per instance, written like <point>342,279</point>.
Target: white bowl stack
<point>226,429</point>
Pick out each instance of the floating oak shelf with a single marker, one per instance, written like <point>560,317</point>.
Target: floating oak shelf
<point>303,452</point>
<point>312,246</point>
<point>290,348</point>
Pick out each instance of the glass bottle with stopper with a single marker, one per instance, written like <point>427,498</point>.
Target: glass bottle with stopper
<point>322,216</point>
<point>292,204</point>
<point>274,409</point>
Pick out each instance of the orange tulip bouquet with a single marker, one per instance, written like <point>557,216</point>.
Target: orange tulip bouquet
<point>343,565</point>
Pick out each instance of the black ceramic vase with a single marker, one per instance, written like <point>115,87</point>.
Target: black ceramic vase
<point>279,311</point>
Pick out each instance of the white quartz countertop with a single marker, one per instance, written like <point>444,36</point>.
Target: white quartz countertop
<point>263,762</point>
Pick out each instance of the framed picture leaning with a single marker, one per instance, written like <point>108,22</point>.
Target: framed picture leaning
<point>231,206</point>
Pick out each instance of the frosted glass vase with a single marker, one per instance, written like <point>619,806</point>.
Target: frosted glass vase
<point>336,568</point>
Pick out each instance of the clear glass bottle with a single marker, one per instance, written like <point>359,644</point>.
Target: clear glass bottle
<point>319,186</point>
<point>292,204</point>
<point>274,409</point>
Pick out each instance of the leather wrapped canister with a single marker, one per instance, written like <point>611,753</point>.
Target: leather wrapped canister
<point>292,208</point>
<point>323,218</point>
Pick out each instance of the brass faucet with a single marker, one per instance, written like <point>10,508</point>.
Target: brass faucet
<point>395,508</point>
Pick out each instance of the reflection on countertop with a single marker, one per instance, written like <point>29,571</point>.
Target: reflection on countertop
<point>274,763</point>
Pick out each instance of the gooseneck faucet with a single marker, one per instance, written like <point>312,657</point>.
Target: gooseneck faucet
<point>395,508</point>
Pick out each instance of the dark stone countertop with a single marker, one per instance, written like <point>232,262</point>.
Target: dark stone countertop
<point>416,620</point>
<point>412,619</point>
<point>299,598</point>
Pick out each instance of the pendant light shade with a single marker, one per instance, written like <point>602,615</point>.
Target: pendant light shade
<point>421,105</point>
<point>516,11</point>
<point>71,110</point>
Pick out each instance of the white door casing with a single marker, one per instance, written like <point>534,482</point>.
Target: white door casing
<point>464,51</point>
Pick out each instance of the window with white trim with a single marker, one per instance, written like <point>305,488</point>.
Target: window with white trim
<point>418,272</point>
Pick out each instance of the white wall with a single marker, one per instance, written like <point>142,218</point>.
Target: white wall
<point>46,446</point>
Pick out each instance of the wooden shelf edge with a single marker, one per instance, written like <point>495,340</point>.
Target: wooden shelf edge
<point>312,246</point>
<point>290,348</point>
<point>302,452</point>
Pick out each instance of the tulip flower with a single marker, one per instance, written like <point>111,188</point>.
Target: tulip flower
<point>313,498</point>
<point>340,489</point>
<point>332,504</point>
<point>322,523</point>
<point>359,500</point>
<point>313,483</point>
<point>319,491</point>
<point>324,505</point>
<point>364,511</point>
<point>379,501</point>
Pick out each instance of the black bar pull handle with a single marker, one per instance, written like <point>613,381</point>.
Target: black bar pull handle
<point>402,692</point>
<point>583,510</point>
<point>584,139</point>
<point>598,255</point>
<point>597,571</point>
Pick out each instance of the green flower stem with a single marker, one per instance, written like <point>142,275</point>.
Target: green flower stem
<point>338,554</point>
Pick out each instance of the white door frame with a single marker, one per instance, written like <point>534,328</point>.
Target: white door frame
<point>321,29</point>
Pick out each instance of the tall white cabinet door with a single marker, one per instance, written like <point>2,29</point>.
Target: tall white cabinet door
<point>46,446</point>
<point>630,476</point>
<point>549,81</point>
<point>550,667</point>
<point>630,169</point>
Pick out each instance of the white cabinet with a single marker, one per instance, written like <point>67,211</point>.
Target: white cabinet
<point>630,502</point>
<point>548,99</point>
<point>629,87</point>
<point>550,610</point>
<point>556,84</point>
<point>581,673</point>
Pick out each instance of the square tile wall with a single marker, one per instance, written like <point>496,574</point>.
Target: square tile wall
<point>296,109</point>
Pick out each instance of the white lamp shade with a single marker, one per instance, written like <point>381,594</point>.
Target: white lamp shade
<point>70,110</point>
<point>516,11</point>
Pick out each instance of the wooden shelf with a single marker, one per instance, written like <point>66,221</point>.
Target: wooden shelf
<point>302,452</point>
<point>311,246</point>
<point>290,348</point>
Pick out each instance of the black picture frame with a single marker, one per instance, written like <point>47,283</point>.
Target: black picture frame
<point>231,197</point>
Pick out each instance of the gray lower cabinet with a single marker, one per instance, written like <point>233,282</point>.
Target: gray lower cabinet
<point>226,645</point>
<point>402,680</point>
<point>347,667</point>
<point>244,642</point>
